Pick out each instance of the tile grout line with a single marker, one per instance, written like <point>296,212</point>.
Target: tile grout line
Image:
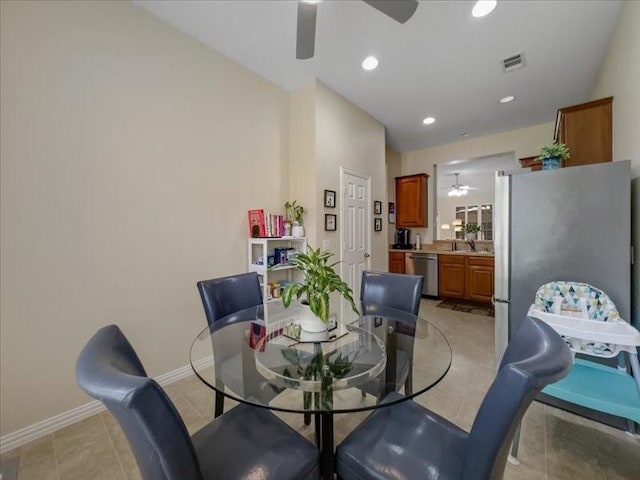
<point>193,406</point>
<point>55,455</point>
<point>113,445</point>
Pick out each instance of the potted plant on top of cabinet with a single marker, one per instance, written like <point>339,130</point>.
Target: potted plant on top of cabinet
<point>553,155</point>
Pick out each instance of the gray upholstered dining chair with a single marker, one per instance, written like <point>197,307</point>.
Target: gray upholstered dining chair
<point>400,292</point>
<point>395,290</point>
<point>246,442</point>
<point>408,441</point>
<point>222,297</point>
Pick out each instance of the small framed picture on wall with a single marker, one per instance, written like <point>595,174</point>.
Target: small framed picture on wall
<point>392,212</point>
<point>330,221</point>
<point>330,199</point>
<point>377,208</point>
<point>377,224</point>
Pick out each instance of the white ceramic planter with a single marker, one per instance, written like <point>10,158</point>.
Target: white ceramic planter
<point>297,231</point>
<point>309,322</point>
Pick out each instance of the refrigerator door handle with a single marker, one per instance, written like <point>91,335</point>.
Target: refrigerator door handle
<point>499,300</point>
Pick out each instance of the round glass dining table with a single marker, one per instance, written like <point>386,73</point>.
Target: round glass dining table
<point>261,357</point>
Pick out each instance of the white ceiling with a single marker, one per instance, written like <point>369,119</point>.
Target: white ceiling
<point>442,62</point>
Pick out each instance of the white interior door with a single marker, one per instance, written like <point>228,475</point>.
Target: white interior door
<point>355,231</point>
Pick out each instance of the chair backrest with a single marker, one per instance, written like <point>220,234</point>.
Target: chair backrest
<point>109,370</point>
<point>402,292</point>
<point>226,295</point>
<point>536,356</point>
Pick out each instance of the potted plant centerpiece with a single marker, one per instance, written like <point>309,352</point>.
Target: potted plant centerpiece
<point>294,214</point>
<point>320,280</point>
<point>471,231</point>
<point>553,155</point>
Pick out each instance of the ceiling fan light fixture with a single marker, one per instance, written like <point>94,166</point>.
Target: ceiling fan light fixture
<point>429,120</point>
<point>507,99</point>
<point>482,8</point>
<point>370,63</point>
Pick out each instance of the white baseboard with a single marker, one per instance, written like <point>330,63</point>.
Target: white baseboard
<point>45,427</point>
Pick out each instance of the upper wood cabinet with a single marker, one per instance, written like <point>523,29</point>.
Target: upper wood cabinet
<point>411,200</point>
<point>587,130</point>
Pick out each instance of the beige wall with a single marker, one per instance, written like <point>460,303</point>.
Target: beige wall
<point>620,77</point>
<point>524,142</point>
<point>302,161</point>
<point>394,168</point>
<point>130,155</point>
<point>348,137</point>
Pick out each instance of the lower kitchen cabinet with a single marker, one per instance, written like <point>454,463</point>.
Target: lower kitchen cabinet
<point>451,276</point>
<point>479,279</point>
<point>396,262</point>
<point>466,276</point>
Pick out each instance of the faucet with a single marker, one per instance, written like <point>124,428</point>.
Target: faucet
<point>472,244</point>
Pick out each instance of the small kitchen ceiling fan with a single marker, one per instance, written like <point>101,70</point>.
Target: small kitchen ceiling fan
<point>399,10</point>
<point>457,190</point>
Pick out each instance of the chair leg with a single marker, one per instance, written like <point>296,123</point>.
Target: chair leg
<point>307,419</point>
<point>219,405</point>
<point>408,383</point>
<point>363,394</point>
<point>513,458</point>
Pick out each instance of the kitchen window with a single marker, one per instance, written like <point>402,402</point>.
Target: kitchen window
<point>480,215</point>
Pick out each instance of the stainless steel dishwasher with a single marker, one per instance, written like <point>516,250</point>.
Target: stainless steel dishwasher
<point>425,264</point>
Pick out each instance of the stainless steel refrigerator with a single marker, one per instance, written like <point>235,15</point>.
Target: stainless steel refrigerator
<point>567,224</point>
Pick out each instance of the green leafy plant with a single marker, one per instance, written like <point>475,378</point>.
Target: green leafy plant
<point>554,150</point>
<point>320,279</point>
<point>471,228</point>
<point>293,212</point>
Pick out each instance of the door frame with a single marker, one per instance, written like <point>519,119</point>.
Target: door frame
<point>369,210</point>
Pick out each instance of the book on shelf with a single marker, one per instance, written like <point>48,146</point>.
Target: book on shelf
<point>265,224</point>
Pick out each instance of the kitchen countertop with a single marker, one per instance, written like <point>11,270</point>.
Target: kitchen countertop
<point>445,252</point>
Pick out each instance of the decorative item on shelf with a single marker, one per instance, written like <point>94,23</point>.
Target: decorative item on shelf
<point>320,280</point>
<point>553,155</point>
<point>330,221</point>
<point>471,231</point>
<point>330,199</point>
<point>377,224</point>
<point>294,214</point>
<point>377,208</point>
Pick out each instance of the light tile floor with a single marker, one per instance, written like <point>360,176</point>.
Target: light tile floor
<point>555,444</point>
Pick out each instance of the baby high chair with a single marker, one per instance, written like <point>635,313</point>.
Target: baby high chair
<point>590,324</point>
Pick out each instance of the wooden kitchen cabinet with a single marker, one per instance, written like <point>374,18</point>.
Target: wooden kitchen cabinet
<point>479,279</point>
<point>451,276</point>
<point>396,262</point>
<point>411,201</point>
<point>466,276</point>
<point>587,130</point>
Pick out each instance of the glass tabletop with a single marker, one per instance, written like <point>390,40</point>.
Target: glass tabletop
<point>259,356</point>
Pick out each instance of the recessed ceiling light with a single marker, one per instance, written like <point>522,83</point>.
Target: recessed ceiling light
<point>483,8</point>
<point>428,120</point>
<point>507,99</point>
<point>464,134</point>
<point>370,63</point>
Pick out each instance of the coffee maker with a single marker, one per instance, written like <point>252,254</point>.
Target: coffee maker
<point>403,238</point>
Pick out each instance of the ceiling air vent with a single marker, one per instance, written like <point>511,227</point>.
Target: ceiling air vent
<point>513,62</point>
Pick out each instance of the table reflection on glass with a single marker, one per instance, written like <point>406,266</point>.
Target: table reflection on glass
<point>255,356</point>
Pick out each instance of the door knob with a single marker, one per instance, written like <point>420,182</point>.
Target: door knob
<point>366,255</point>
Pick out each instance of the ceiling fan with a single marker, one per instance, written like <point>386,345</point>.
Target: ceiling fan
<point>457,190</point>
<point>399,10</point>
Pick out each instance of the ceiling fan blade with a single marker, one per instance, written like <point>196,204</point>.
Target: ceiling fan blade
<point>399,10</point>
<point>306,36</point>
